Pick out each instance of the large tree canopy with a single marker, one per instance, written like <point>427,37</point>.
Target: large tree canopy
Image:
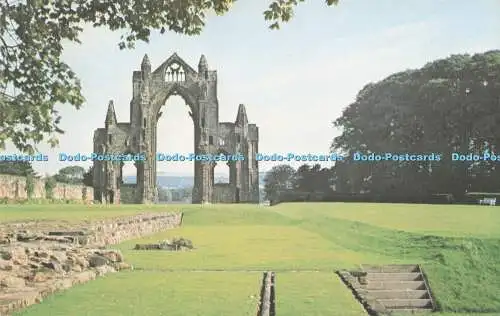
<point>70,174</point>
<point>279,178</point>
<point>17,168</point>
<point>450,105</point>
<point>33,78</point>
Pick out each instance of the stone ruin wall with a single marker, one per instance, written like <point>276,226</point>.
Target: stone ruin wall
<point>224,193</point>
<point>110,232</point>
<point>14,188</point>
<point>36,263</point>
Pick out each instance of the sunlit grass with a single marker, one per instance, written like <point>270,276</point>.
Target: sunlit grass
<point>444,220</point>
<point>157,293</point>
<point>314,294</point>
<point>458,246</point>
<point>244,248</point>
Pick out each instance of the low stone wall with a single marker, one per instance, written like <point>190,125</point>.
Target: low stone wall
<point>14,188</point>
<point>224,193</point>
<point>38,259</point>
<point>110,232</point>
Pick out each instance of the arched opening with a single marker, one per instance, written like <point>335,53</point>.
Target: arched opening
<point>221,172</point>
<point>174,139</point>
<point>127,182</point>
<point>223,192</point>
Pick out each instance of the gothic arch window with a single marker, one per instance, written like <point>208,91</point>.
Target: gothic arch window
<point>144,122</point>
<point>175,73</point>
<point>210,140</point>
<point>110,139</point>
<point>221,142</point>
<point>238,139</point>
<point>203,121</point>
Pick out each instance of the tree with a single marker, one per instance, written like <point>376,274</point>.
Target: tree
<point>17,168</point>
<point>279,178</point>
<point>50,184</point>
<point>314,179</point>
<point>70,174</point>
<point>164,195</point>
<point>33,79</point>
<point>449,105</point>
<point>88,177</point>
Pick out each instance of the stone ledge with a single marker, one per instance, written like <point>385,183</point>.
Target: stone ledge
<point>35,263</point>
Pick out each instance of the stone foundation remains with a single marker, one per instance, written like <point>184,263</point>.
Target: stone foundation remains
<point>267,303</point>
<point>38,259</point>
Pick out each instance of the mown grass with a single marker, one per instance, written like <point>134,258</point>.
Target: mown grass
<point>157,293</point>
<point>71,212</point>
<point>303,293</point>
<point>441,220</point>
<point>243,248</point>
<point>458,246</point>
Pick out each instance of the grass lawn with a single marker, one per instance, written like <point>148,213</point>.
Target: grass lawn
<point>458,246</point>
<point>314,294</point>
<point>70,212</point>
<point>157,293</point>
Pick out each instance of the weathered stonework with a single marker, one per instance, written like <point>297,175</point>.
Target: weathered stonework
<point>36,263</point>
<point>14,188</point>
<point>151,89</point>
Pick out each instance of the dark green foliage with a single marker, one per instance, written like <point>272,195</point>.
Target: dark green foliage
<point>283,10</point>
<point>450,105</point>
<point>71,175</point>
<point>88,177</point>
<point>279,178</point>
<point>50,184</point>
<point>33,78</point>
<point>17,168</point>
<point>314,179</point>
<point>308,182</point>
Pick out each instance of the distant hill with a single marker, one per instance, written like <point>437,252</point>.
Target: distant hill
<point>179,181</point>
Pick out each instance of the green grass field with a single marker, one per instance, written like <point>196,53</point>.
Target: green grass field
<point>458,246</point>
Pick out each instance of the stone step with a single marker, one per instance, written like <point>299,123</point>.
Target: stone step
<point>391,268</point>
<point>406,303</point>
<point>396,285</point>
<point>396,276</point>
<point>411,311</point>
<point>394,294</point>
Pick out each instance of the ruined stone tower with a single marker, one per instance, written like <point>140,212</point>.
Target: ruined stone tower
<point>151,89</point>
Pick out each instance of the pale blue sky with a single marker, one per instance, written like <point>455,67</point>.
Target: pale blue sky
<point>294,82</point>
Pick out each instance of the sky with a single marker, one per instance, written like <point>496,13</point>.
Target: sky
<point>294,82</point>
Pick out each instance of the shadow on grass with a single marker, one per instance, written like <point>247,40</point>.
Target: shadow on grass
<point>464,273</point>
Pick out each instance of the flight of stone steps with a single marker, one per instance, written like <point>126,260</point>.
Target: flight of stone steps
<point>391,288</point>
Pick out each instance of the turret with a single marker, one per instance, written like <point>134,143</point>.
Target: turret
<point>241,117</point>
<point>203,66</point>
<point>146,67</point>
<point>110,115</point>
